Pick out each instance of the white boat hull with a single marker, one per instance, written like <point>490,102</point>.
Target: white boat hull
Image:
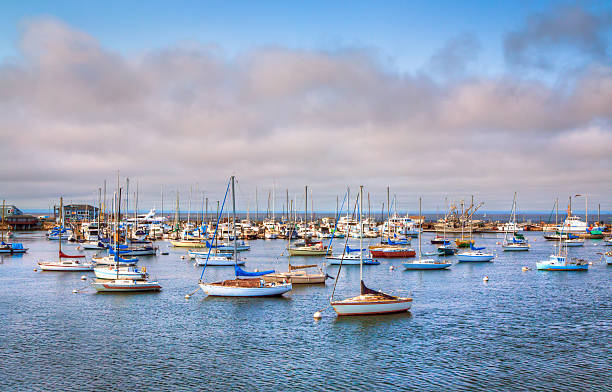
<point>344,308</point>
<point>124,273</point>
<point>217,262</point>
<point>476,258</point>
<point>126,286</point>
<point>230,291</point>
<point>52,266</point>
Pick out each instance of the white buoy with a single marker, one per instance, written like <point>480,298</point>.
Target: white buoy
<point>317,315</point>
<point>83,277</point>
<point>183,257</point>
<point>525,269</point>
<point>187,296</point>
<point>391,268</point>
<point>35,270</point>
<point>256,270</point>
<point>485,279</point>
<point>75,291</point>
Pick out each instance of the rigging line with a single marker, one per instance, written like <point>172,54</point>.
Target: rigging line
<point>336,223</point>
<point>343,253</point>
<point>216,229</point>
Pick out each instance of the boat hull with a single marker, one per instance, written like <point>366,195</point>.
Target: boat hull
<point>187,244</point>
<point>307,252</point>
<point>295,278</point>
<point>214,290</point>
<point>548,267</point>
<point>345,308</point>
<point>386,253</point>
<point>522,248</point>
<point>111,274</point>
<point>473,258</point>
<point>426,266</point>
<point>68,268</point>
<point>125,286</point>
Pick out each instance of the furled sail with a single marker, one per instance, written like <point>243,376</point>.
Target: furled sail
<point>240,272</point>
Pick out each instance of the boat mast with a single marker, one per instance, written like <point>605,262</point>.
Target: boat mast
<point>388,216</point>
<point>99,210</point>
<point>306,207</point>
<point>61,224</point>
<point>420,227</point>
<point>360,235</point>
<point>117,233</point>
<point>3,204</point>
<point>234,223</point>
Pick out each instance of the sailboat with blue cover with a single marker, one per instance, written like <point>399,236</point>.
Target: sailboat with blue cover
<point>245,283</point>
<point>11,248</point>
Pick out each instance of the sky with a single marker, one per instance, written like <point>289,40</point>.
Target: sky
<point>434,99</point>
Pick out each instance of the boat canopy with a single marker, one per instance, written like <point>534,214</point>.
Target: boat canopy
<point>240,272</point>
<point>16,246</point>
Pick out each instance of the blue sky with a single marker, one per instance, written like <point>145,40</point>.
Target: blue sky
<point>436,99</point>
<point>407,33</point>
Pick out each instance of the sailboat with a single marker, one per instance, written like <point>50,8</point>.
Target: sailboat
<point>254,285</point>
<point>65,262</point>
<point>446,249</point>
<point>309,248</point>
<point>122,279</point>
<point>518,242</point>
<point>11,248</point>
<point>368,302</point>
<point>424,264</point>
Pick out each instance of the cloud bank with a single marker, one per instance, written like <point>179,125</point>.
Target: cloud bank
<point>72,112</point>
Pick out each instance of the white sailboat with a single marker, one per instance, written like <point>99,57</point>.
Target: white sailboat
<point>518,242</point>
<point>255,286</point>
<point>424,264</point>
<point>124,279</point>
<point>65,262</point>
<point>368,302</point>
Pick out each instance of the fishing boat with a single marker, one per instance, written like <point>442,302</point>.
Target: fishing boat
<point>245,284</point>
<point>562,263</point>
<point>65,262</point>
<point>368,302</point>
<point>424,264</point>
<point>518,242</point>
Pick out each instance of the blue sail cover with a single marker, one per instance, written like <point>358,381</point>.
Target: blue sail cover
<point>477,247</point>
<point>400,242</point>
<point>209,245</point>
<point>350,250</point>
<point>122,260</point>
<point>240,272</point>
<point>16,246</point>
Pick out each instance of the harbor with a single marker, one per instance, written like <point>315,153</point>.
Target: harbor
<point>472,334</point>
<point>142,280</point>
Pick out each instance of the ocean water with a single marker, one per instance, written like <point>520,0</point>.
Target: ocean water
<point>531,330</point>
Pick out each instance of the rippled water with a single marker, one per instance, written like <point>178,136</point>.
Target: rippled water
<point>519,331</point>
